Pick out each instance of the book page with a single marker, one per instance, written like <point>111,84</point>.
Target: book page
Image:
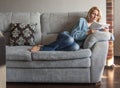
<point>97,26</point>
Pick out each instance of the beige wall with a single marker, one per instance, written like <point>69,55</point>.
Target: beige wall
<point>51,5</point>
<point>117,27</point>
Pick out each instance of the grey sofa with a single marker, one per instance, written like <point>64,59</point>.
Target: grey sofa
<point>83,66</point>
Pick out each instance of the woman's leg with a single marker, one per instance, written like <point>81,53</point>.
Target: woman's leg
<point>63,40</point>
<point>35,48</point>
<point>73,47</point>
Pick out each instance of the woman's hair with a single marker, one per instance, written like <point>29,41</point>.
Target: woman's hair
<point>91,11</point>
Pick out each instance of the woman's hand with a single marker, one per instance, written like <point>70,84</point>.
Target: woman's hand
<point>106,29</point>
<point>91,31</point>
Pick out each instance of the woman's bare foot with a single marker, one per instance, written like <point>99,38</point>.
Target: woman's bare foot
<point>35,48</point>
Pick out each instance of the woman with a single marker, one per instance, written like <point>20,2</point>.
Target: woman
<point>73,41</point>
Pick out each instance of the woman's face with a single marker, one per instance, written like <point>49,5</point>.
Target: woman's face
<point>94,16</point>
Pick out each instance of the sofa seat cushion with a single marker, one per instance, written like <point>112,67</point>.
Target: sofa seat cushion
<point>86,62</point>
<point>18,53</point>
<point>61,55</point>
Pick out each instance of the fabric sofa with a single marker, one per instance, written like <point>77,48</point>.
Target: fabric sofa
<point>83,66</point>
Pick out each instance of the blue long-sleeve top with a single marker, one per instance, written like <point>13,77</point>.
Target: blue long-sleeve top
<point>79,31</point>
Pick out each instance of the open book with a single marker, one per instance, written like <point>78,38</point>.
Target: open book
<point>99,26</point>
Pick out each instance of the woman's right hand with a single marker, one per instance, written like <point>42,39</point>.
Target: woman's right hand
<point>91,31</point>
<point>106,29</point>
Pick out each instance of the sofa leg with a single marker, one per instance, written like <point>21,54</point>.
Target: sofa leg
<point>98,84</point>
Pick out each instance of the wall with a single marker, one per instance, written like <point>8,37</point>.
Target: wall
<point>117,27</point>
<point>51,5</point>
<point>110,13</point>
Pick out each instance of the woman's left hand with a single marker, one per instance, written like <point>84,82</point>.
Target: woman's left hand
<point>106,29</point>
<point>91,31</point>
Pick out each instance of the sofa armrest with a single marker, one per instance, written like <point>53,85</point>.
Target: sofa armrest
<point>98,60</point>
<point>96,37</point>
<point>98,43</point>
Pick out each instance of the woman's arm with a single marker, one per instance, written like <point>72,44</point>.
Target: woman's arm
<point>105,29</point>
<point>80,29</point>
<point>94,30</point>
<point>91,31</point>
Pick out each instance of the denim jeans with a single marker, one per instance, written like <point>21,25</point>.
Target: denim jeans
<point>64,42</point>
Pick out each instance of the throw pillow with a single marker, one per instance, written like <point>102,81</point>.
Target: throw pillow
<point>22,34</point>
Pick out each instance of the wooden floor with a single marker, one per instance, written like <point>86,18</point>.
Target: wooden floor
<point>110,79</point>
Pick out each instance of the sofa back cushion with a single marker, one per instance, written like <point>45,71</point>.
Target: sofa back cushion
<point>53,23</point>
<point>20,17</point>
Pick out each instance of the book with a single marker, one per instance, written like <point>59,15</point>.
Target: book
<point>99,26</point>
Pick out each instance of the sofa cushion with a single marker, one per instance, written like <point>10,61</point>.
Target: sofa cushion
<point>20,17</point>
<point>85,62</point>
<point>22,34</point>
<point>53,23</point>
<point>61,55</point>
<point>18,53</point>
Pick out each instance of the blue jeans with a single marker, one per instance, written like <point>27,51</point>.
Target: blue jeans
<point>64,42</point>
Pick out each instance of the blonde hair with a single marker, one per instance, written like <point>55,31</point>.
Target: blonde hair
<point>91,11</point>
